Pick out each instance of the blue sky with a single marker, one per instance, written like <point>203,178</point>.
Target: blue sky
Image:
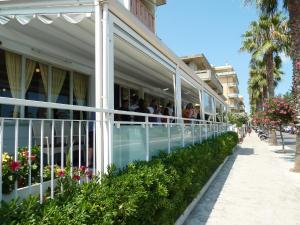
<point>212,27</point>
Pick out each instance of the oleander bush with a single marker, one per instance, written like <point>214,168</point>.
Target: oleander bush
<point>155,192</point>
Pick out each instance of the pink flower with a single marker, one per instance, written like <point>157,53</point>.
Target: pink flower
<point>15,166</point>
<point>76,177</point>
<point>82,169</point>
<point>61,173</point>
<point>298,65</point>
<point>89,173</point>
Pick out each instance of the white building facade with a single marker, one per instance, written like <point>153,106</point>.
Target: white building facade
<point>68,67</point>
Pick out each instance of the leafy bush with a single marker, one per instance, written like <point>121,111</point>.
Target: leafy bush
<point>155,192</point>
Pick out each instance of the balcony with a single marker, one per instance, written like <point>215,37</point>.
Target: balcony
<point>233,95</point>
<point>211,80</point>
<point>143,14</point>
<point>232,84</point>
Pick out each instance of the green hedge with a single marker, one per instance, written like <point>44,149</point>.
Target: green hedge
<point>155,192</point>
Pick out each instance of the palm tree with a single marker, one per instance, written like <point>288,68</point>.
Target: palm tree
<point>257,83</point>
<point>265,40</point>
<point>270,7</point>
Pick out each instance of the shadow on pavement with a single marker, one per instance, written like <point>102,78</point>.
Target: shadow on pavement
<point>288,154</point>
<point>201,213</point>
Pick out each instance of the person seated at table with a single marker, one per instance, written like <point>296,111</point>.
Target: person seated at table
<point>153,110</point>
<point>124,107</point>
<point>188,112</point>
<point>142,108</point>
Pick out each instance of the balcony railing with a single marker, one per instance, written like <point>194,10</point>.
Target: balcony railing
<point>143,14</point>
<point>233,95</point>
<point>232,84</point>
<point>50,147</point>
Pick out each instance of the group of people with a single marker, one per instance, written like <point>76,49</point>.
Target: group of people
<point>141,106</point>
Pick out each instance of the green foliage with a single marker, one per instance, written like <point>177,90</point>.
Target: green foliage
<point>238,119</point>
<point>155,192</point>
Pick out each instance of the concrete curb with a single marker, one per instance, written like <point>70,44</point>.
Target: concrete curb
<point>189,209</point>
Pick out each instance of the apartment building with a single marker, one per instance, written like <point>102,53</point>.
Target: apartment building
<point>229,80</point>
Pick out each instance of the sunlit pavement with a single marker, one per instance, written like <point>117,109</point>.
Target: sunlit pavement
<point>255,187</point>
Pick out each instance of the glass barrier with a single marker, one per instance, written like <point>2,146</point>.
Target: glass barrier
<point>197,133</point>
<point>158,139</point>
<point>129,144</point>
<point>176,136</point>
<point>188,134</point>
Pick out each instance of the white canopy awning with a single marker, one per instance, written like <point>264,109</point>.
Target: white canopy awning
<point>73,11</point>
<point>46,18</point>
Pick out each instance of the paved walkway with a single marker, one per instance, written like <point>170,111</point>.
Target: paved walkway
<point>255,187</point>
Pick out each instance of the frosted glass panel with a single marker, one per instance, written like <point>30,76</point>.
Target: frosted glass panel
<point>158,139</point>
<point>129,144</point>
<point>197,133</point>
<point>176,136</point>
<point>188,135</point>
<point>203,131</point>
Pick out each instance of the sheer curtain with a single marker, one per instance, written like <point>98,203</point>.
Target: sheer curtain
<point>44,74</point>
<point>30,68</point>
<point>58,78</point>
<point>13,67</point>
<point>80,89</point>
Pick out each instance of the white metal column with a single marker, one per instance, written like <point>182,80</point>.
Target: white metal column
<point>202,104</point>
<point>98,85</point>
<point>107,85</point>
<point>178,93</point>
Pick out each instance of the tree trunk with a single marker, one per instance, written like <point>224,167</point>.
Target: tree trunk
<point>270,80</point>
<point>294,13</point>
<point>282,140</point>
<point>270,73</point>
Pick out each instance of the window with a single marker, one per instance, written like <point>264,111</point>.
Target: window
<point>10,75</point>
<point>60,92</point>
<point>35,89</point>
<point>208,103</point>
<point>80,94</point>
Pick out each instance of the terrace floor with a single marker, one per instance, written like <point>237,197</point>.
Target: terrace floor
<point>255,187</point>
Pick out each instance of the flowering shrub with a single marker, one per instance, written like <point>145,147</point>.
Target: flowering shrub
<point>154,192</point>
<point>277,112</point>
<point>298,65</point>
<point>17,171</point>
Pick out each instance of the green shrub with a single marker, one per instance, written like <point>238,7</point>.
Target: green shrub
<point>155,192</point>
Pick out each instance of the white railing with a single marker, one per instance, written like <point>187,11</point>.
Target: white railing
<point>49,148</point>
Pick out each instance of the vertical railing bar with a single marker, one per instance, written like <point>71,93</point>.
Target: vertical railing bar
<point>79,153</point>
<point>182,134</point>
<point>29,153</point>
<point>147,139</point>
<point>62,144</point>
<point>206,130</point>
<point>87,145</point>
<point>41,161</point>
<point>1,151</point>
<point>52,159</point>
<point>71,150</point>
<point>94,148</point>
<point>193,132</point>
<point>87,148</point>
<point>16,152</point>
<point>62,150</point>
<point>169,135</point>
<point>200,133</point>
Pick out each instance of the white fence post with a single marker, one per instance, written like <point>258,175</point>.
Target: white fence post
<point>147,139</point>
